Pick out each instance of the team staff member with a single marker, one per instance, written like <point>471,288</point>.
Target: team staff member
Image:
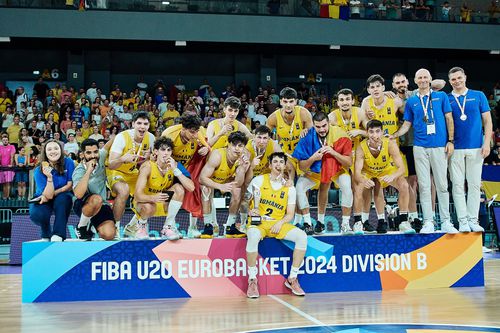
<point>430,114</point>
<point>378,160</point>
<point>129,150</point>
<point>471,114</point>
<point>160,190</point>
<point>89,187</point>
<point>274,204</point>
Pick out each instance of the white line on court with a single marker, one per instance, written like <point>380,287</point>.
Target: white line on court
<point>298,311</point>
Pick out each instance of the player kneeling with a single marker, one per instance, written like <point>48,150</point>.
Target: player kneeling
<point>274,209</point>
<point>160,190</point>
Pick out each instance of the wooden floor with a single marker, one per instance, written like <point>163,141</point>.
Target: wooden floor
<point>468,306</point>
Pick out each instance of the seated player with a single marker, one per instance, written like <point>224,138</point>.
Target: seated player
<point>378,161</point>
<point>274,210</point>
<point>89,187</point>
<point>225,171</point>
<point>159,191</point>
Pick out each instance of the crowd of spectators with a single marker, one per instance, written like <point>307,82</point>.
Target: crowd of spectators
<point>71,115</point>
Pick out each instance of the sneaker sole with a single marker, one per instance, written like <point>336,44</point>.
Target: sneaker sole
<point>293,292</point>
<point>206,236</point>
<point>253,296</point>
<point>409,232</point>
<point>236,236</point>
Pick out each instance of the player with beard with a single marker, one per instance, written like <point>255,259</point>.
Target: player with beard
<point>225,171</point>
<point>378,160</point>
<point>291,122</point>
<point>129,150</point>
<point>219,129</point>
<point>89,187</point>
<point>160,190</point>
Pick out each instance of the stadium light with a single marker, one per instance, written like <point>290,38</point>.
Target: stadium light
<point>5,39</point>
<point>180,43</point>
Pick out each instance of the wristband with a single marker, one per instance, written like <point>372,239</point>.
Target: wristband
<point>177,172</point>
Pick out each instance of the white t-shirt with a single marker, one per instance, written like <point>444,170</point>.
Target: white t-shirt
<point>259,180</point>
<point>355,6</point>
<point>92,93</point>
<point>71,147</point>
<point>260,118</point>
<point>119,143</point>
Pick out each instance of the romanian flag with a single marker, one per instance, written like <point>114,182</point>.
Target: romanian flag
<point>336,9</point>
<point>491,180</point>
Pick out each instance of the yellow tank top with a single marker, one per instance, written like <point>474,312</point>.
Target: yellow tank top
<point>157,182</point>
<point>222,142</point>
<point>288,135</point>
<point>273,203</point>
<point>223,172</point>
<point>350,124</point>
<point>183,152</point>
<point>135,148</point>
<point>375,165</point>
<point>263,166</point>
<point>387,114</point>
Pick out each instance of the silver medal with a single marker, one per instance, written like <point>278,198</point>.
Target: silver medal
<point>463,117</point>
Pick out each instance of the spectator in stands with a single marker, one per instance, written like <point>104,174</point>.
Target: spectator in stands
<point>53,178</point>
<point>382,9</point>
<point>369,9</point>
<point>431,4</point>
<point>21,178</point>
<point>96,135</point>
<point>41,88</point>
<point>4,101</point>
<point>421,11</point>
<point>494,156</point>
<point>14,129</point>
<point>445,11</point>
<point>92,92</point>
<point>34,132</point>
<point>7,152</point>
<point>169,115</point>
<point>53,125</point>
<point>66,123</point>
<point>7,117</point>
<point>49,98</point>
<point>355,6</point>
<point>71,146</point>
<point>21,96</point>
<point>465,13</point>
<point>73,128</point>
<point>78,115</point>
<point>493,9</point>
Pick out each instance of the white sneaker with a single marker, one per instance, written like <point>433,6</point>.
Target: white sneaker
<point>130,229</point>
<point>170,233</point>
<point>56,238</point>
<point>193,232</point>
<point>427,228</point>
<point>345,229</point>
<point>448,228</point>
<point>486,250</point>
<point>475,227</point>
<point>405,227</point>
<point>463,225</point>
<point>358,228</point>
<point>142,231</point>
<point>45,240</point>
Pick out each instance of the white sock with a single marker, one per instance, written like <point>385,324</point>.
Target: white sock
<point>298,219</point>
<point>173,209</point>
<point>252,272</point>
<point>244,218</point>
<point>231,219</point>
<point>207,218</point>
<point>214,214</point>
<point>84,221</point>
<point>294,271</point>
<point>412,216</point>
<point>136,220</point>
<point>345,219</point>
<point>192,221</point>
<point>381,216</point>
<point>365,216</point>
<point>307,219</point>
<point>321,218</point>
<point>117,224</point>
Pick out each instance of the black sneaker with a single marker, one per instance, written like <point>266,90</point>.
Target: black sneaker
<point>319,228</point>
<point>208,231</point>
<point>308,229</point>
<point>84,233</point>
<point>233,232</point>
<point>417,225</point>
<point>382,227</point>
<point>367,227</point>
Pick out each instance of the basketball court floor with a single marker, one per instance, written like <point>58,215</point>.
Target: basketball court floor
<point>464,310</point>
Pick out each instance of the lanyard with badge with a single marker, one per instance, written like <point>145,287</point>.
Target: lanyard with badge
<point>463,116</point>
<point>431,125</point>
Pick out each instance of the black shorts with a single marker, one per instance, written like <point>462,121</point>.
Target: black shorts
<point>104,214</point>
<point>410,160</point>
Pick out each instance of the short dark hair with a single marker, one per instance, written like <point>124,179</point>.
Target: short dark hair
<point>455,70</point>
<point>237,137</point>
<point>374,123</point>
<point>233,102</point>
<point>263,130</point>
<point>375,78</point>
<point>397,74</point>
<point>278,154</point>
<point>140,114</point>
<point>319,116</point>
<point>163,141</point>
<point>191,121</point>
<point>102,140</point>
<point>288,93</point>
<point>345,91</point>
<point>88,143</point>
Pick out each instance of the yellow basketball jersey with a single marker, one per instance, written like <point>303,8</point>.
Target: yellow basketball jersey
<point>273,203</point>
<point>288,135</point>
<point>222,142</point>
<point>135,148</point>
<point>183,152</point>
<point>263,166</point>
<point>387,114</point>
<point>157,182</point>
<point>223,172</point>
<point>375,165</point>
<point>349,124</point>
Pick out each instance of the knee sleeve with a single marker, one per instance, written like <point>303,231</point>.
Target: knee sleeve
<point>299,237</point>
<point>344,183</point>
<point>303,185</point>
<point>253,239</point>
